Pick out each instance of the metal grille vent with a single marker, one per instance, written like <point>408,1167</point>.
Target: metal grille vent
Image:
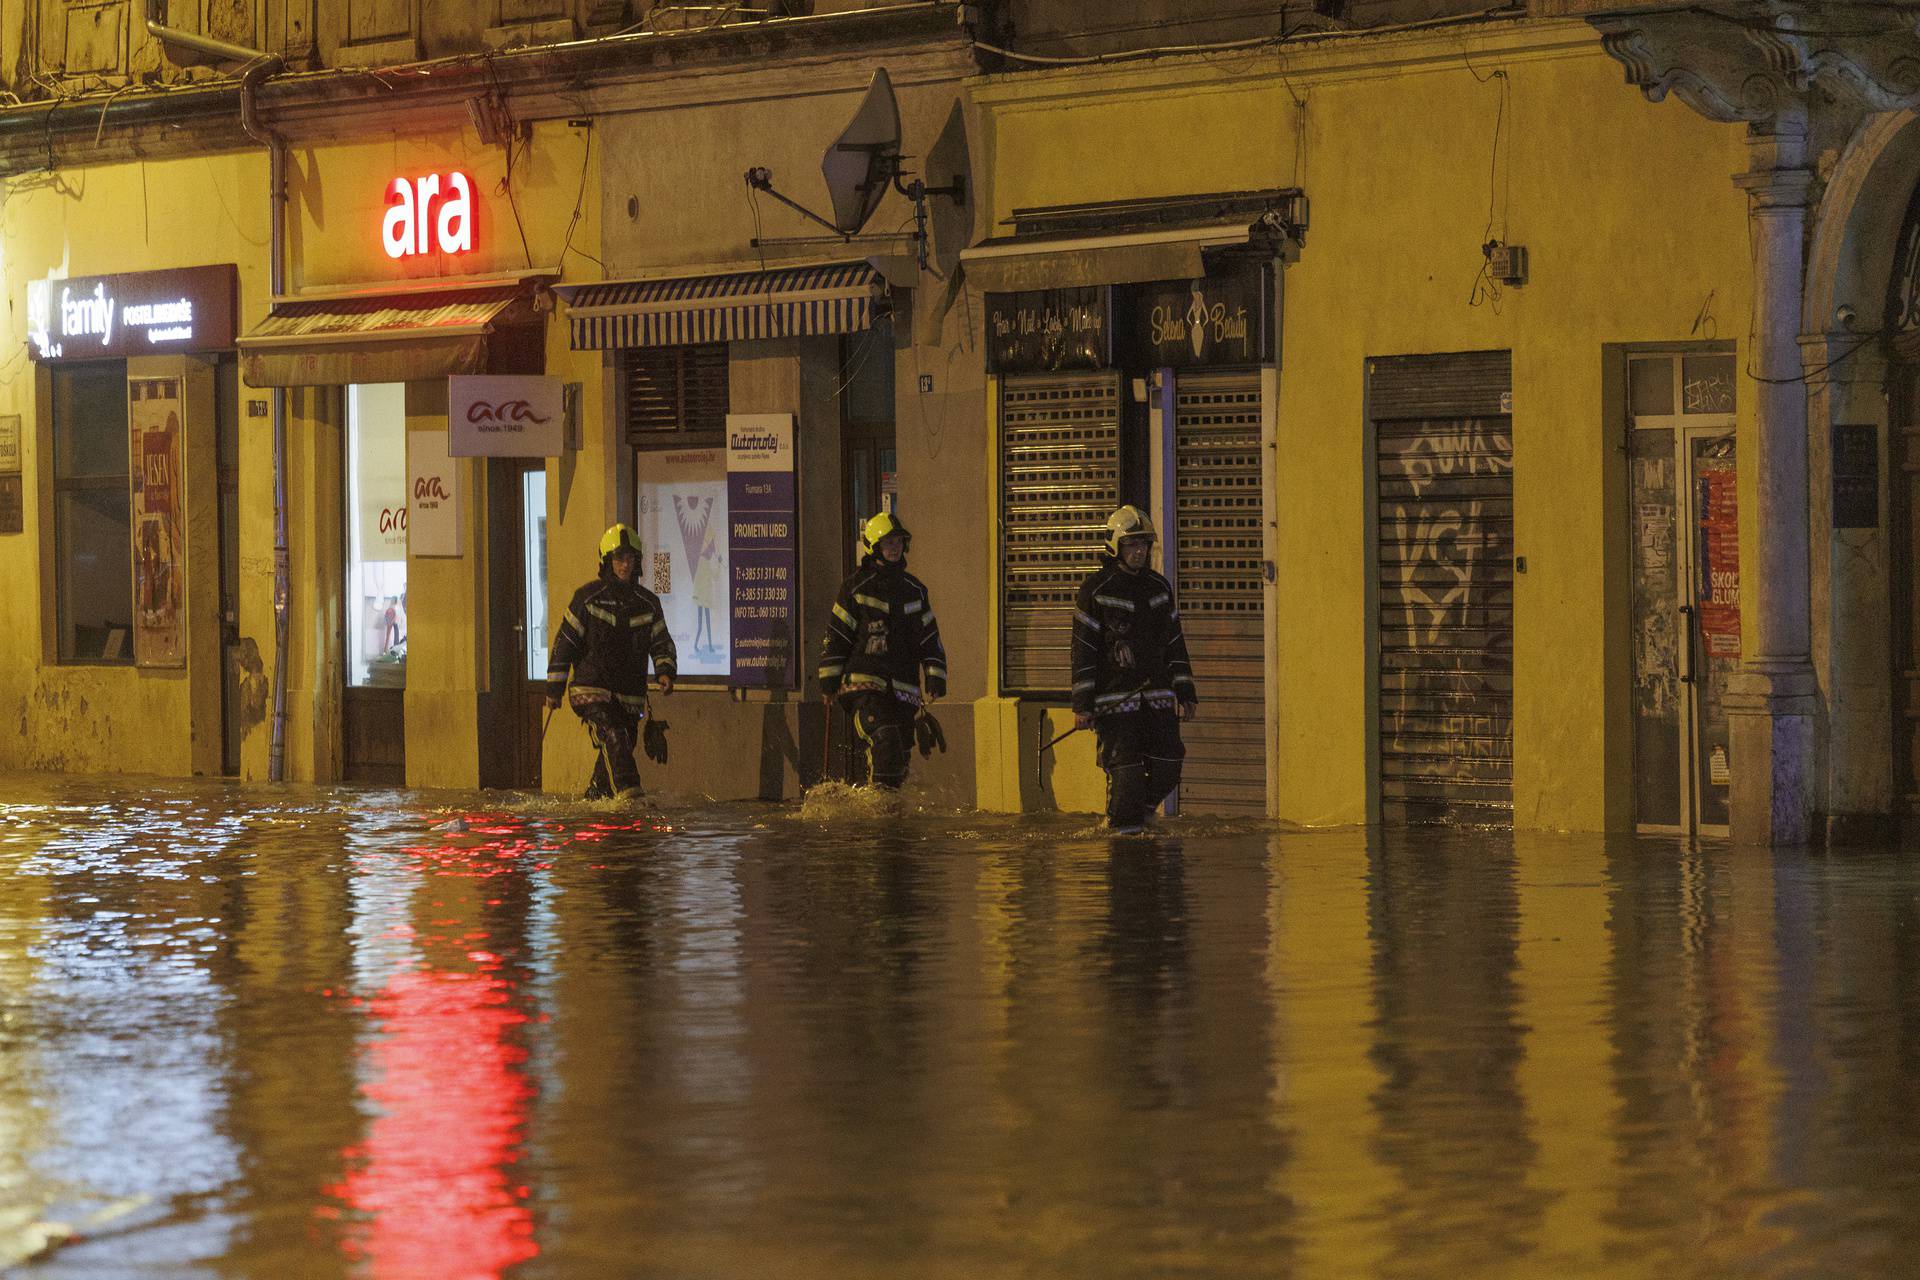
<point>1217,492</point>
<point>1060,477</point>
<point>1217,535</point>
<point>675,391</point>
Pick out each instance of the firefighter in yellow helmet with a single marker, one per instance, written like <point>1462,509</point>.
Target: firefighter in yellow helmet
<point>882,654</point>
<point>1132,680</point>
<point>612,628</point>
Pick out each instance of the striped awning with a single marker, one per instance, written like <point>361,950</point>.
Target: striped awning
<point>795,302</point>
<point>382,338</point>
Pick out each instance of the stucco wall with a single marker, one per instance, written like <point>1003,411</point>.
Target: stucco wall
<point>170,213</point>
<point>675,203</point>
<point>1635,236</point>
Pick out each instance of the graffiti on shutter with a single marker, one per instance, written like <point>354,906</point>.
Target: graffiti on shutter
<point>1445,486</point>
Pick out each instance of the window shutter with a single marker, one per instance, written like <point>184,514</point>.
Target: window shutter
<point>674,392</point>
<point>1059,477</point>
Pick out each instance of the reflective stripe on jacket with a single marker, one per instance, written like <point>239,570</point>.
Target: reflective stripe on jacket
<point>1128,649</point>
<point>882,635</point>
<point>609,633</point>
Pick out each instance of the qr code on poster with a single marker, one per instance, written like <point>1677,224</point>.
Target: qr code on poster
<point>663,573</point>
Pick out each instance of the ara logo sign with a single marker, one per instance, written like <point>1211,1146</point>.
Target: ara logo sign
<point>498,416</point>
<point>429,214</point>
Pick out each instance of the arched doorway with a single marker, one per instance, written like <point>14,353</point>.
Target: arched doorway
<point>1863,419</point>
<point>1901,329</point>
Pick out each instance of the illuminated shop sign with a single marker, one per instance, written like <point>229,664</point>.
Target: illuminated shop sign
<point>429,214</point>
<point>142,313</point>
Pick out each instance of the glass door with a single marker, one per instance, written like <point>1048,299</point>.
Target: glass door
<point>1682,483</point>
<point>373,708</point>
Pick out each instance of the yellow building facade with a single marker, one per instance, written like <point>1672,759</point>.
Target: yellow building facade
<point>1430,348</point>
<point>1413,150</point>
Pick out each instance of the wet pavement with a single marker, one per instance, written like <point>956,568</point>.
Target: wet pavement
<point>299,1032</point>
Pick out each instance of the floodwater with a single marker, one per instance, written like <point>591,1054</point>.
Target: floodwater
<point>300,1032</point>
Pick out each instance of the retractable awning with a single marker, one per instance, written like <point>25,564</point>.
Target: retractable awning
<point>394,337</point>
<point>1018,264</point>
<point>793,302</point>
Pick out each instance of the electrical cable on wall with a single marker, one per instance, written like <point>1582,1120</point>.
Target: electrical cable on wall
<point>586,152</point>
<point>1485,287</point>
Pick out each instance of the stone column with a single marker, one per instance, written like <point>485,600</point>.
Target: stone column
<point>1771,700</point>
<point>1759,62</point>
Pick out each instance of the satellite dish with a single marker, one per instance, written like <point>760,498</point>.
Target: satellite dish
<point>859,167</point>
<point>865,158</point>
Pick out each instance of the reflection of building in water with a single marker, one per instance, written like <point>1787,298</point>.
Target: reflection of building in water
<point>1448,1041</point>
<point>25,1192</point>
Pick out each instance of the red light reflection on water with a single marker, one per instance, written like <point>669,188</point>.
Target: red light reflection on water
<point>431,1178</point>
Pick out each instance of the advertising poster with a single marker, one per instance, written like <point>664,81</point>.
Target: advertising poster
<point>763,550</point>
<point>683,536</point>
<point>11,511</point>
<point>159,525</point>
<point>432,524</point>
<point>1719,559</point>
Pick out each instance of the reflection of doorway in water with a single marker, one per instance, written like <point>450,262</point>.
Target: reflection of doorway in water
<point>1684,531</point>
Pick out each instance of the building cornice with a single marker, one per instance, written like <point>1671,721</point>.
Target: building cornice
<point>1754,60</point>
<point>785,58</point>
<point>1307,59</point>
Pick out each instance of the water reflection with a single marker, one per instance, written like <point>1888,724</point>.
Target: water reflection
<point>439,930</point>
<point>373,1034</point>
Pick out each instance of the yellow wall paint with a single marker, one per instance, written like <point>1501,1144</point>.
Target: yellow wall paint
<point>446,632</point>
<point>132,217</point>
<point>1395,156</point>
<point>339,200</point>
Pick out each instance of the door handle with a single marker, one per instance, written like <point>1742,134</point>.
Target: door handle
<point>1686,644</point>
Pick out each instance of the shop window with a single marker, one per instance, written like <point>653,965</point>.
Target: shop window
<point>376,521</point>
<point>93,515</point>
<point>675,404</point>
<point>869,466</point>
<point>675,395</point>
<point>682,500</point>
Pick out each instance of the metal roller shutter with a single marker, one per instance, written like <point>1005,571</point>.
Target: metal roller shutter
<point>1059,479</point>
<point>1217,513</point>
<point>1444,447</point>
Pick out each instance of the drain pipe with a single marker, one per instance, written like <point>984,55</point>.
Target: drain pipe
<point>258,71</point>
<point>190,49</point>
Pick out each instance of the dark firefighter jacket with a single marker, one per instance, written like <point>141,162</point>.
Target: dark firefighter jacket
<point>882,635</point>
<point>610,630</point>
<point>1128,649</point>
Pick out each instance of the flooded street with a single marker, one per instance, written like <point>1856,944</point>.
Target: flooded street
<point>300,1032</point>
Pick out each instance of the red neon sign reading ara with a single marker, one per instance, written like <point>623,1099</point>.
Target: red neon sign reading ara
<point>429,214</point>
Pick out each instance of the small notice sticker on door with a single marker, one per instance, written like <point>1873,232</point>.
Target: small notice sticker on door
<point>1717,771</point>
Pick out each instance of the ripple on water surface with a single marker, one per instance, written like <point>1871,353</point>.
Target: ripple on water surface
<point>302,1031</point>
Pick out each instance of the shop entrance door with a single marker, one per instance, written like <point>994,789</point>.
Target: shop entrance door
<point>1217,566</point>
<point>1684,526</point>
<point>516,622</point>
<point>373,704</point>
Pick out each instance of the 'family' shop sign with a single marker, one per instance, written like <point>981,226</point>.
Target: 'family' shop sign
<point>141,313</point>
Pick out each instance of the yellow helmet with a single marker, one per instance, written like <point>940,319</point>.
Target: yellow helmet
<point>617,538</point>
<point>881,526</point>
<point>1128,522</point>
